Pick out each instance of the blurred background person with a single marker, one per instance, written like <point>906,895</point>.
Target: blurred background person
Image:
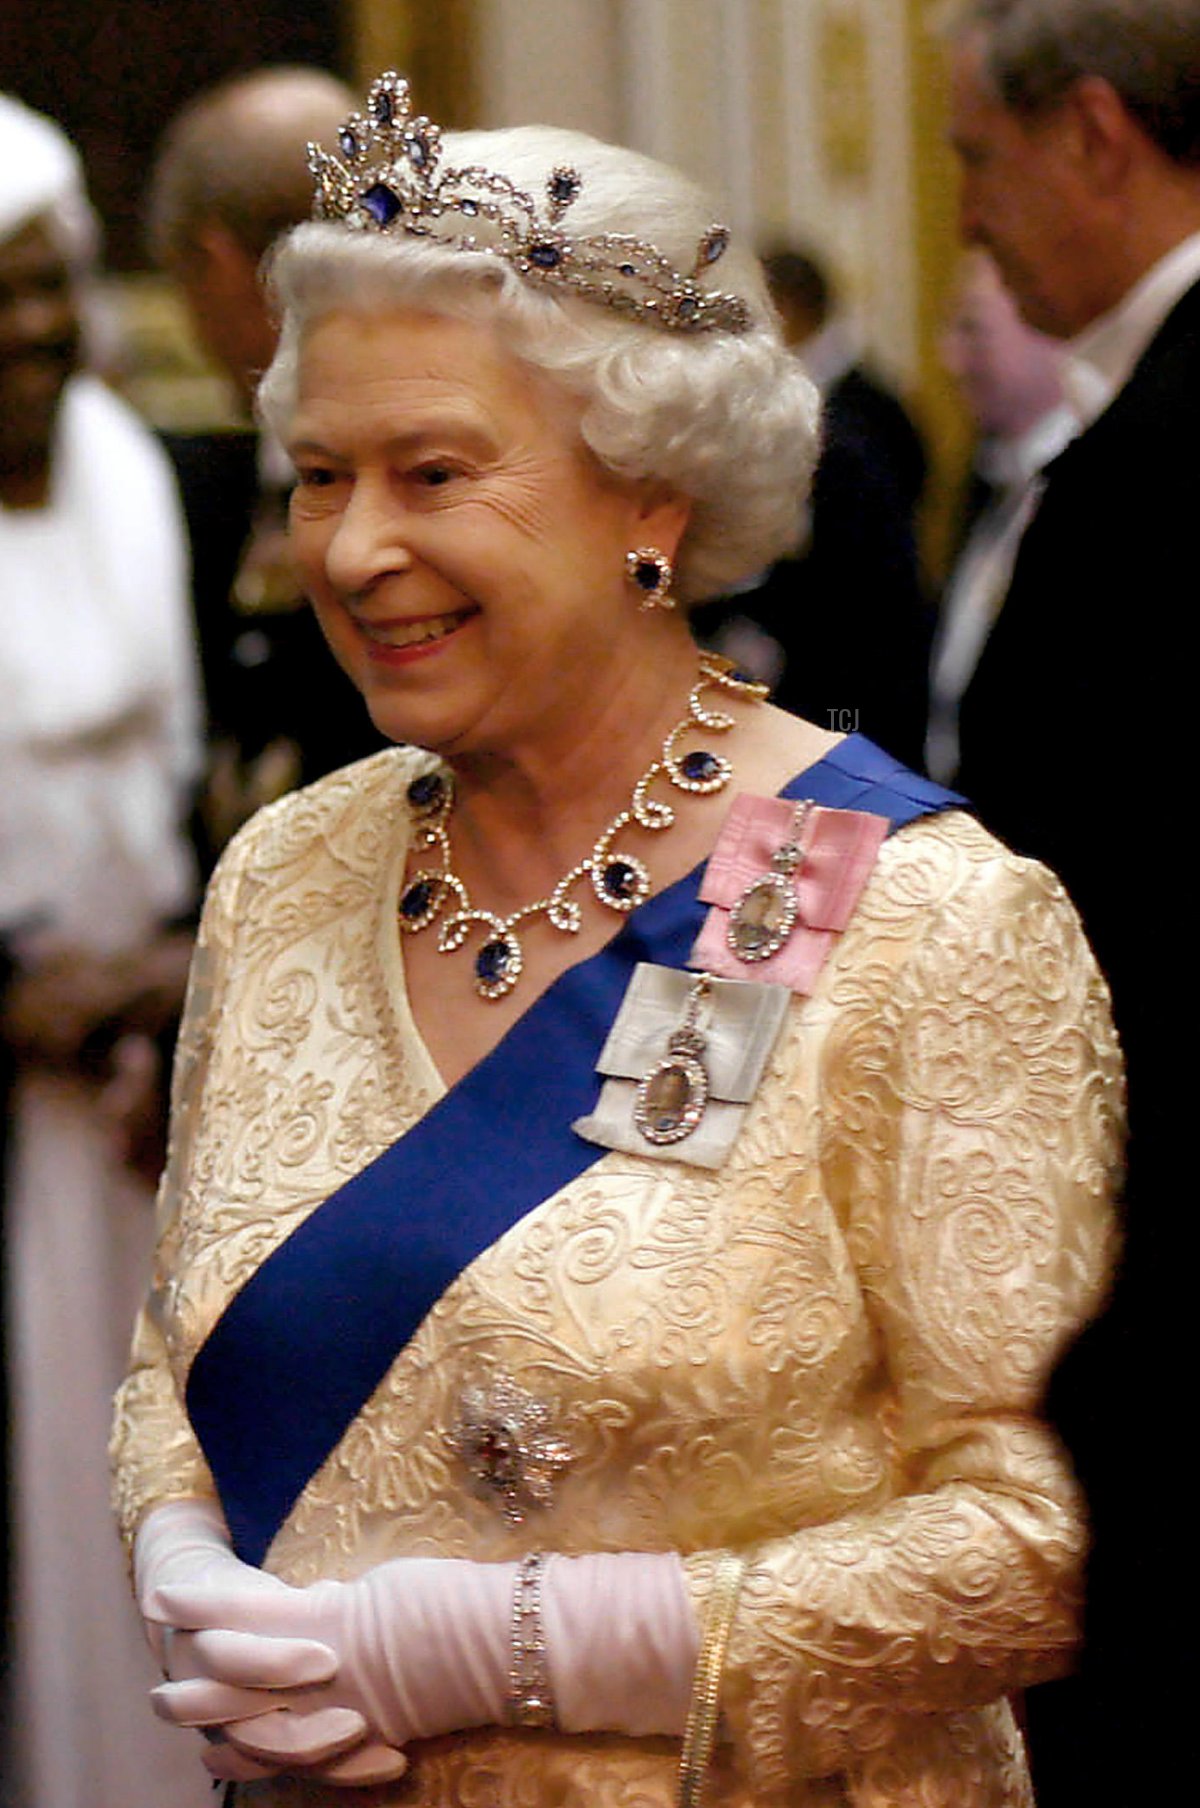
<point>99,746</point>
<point>1011,379</point>
<point>860,405</point>
<point>841,630</point>
<point>1077,127</point>
<point>231,175</point>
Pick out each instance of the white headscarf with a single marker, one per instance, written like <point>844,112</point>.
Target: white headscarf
<point>99,724</point>
<point>40,175</point>
<point>99,729</point>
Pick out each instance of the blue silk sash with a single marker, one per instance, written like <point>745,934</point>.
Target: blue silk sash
<point>304,1344</point>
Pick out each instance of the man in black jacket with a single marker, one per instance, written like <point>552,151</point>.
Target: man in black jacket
<point>846,622</point>
<point>1077,123</point>
<point>231,176</point>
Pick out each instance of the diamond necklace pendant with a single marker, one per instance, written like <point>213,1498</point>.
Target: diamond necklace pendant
<point>619,880</point>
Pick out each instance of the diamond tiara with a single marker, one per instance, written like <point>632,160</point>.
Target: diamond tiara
<point>389,178</point>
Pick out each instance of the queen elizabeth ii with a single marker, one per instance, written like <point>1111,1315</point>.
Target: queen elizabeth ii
<point>635,1154</point>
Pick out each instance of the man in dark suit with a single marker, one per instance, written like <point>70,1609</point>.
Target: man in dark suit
<point>859,404</point>
<point>1010,377</point>
<point>846,623</point>
<point>231,176</point>
<point>1078,129</point>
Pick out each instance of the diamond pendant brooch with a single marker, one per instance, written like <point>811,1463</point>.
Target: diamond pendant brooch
<point>764,916</point>
<point>508,1443</point>
<point>671,1099</point>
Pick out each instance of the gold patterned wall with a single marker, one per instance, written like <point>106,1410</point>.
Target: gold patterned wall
<point>432,42</point>
<point>843,95</point>
<point>935,226</point>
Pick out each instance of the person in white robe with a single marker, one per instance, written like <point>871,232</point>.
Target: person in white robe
<point>99,748</point>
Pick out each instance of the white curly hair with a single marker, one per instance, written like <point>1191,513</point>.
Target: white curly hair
<point>728,420</point>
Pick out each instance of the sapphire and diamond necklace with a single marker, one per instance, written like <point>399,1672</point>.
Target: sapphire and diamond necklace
<point>619,880</point>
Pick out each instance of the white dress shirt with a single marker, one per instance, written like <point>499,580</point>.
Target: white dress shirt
<point>1099,363</point>
<point>979,582</point>
<point>1100,360</point>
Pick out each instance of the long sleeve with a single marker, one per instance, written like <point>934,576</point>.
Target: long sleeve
<point>178,650</point>
<point>970,1135</point>
<point>826,1355</point>
<point>153,1451</point>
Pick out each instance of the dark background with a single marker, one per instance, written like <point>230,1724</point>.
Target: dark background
<point>112,73</point>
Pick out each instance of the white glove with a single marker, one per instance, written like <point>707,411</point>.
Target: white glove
<point>621,1642</point>
<point>186,1544</point>
<point>423,1646</point>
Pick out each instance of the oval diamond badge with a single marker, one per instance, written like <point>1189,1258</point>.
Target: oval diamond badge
<point>763,917</point>
<point>671,1098</point>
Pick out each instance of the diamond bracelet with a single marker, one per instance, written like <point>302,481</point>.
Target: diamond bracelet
<point>530,1700</point>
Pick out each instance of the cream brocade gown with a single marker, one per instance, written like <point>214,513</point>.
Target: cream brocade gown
<point>826,1355</point>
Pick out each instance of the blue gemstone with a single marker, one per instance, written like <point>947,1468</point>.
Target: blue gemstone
<point>427,792</point>
<point>469,207</point>
<point>417,149</point>
<point>418,898</point>
<point>348,141</point>
<point>545,256</point>
<point>700,766</point>
<point>687,307</point>
<point>620,879</point>
<point>715,245</point>
<point>493,961</point>
<point>381,203</point>
<point>384,108</point>
<point>648,575</point>
<point>564,186</point>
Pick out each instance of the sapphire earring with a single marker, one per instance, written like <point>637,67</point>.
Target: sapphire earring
<point>651,572</point>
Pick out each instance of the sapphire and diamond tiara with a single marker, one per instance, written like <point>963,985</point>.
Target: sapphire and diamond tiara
<point>389,178</point>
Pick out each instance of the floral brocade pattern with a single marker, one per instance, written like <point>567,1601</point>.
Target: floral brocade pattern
<point>826,1354</point>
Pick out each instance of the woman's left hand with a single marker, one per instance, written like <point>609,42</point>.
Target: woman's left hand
<point>422,1647</point>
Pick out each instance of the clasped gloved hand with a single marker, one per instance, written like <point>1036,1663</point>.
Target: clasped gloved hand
<point>186,1544</point>
<point>417,1647</point>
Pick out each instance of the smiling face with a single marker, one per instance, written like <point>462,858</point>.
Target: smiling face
<point>39,349</point>
<point>463,550</point>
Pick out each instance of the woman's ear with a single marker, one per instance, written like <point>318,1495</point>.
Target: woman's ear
<point>663,518</point>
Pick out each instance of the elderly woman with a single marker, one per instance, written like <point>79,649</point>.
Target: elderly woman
<point>590,1358</point>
